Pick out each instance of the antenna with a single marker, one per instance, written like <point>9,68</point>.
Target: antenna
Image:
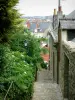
<point>59,5</point>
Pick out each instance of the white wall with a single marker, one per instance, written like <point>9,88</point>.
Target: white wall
<point>64,35</point>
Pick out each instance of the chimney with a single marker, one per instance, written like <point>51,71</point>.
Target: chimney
<point>59,9</point>
<point>59,6</point>
<point>60,13</point>
<point>54,18</point>
<point>55,12</point>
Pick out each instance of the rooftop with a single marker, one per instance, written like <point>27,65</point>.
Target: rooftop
<point>67,24</point>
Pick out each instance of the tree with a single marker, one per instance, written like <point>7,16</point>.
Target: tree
<point>8,15</point>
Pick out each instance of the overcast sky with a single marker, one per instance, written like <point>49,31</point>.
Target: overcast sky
<point>44,7</point>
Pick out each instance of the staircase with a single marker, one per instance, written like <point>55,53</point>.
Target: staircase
<point>44,88</point>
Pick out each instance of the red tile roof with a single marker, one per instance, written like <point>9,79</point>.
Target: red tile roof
<point>45,57</point>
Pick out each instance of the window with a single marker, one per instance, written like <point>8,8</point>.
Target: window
<point>71,34</point>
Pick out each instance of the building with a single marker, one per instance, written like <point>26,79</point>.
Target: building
<point>40,26</point>
<point>28,24</point>
<point>62,52</point>
<point>46,55</point>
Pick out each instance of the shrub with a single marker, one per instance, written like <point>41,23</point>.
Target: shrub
<point>44,65</point>
<point>3,49</point>
<point>19,65</point>
<point>32,48</point>
<point>21,73</point>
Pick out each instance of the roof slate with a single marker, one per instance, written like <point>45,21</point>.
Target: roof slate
<point>67,24</point>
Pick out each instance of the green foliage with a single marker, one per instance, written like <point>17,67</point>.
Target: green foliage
<point>26,43</point>
<point>18,62</point>
<point>3,49</point>
<point>44,50</point>
<point>20,72</point>
<point>9,18</point>
<point>19,65</point>
<point>44,65</point>
<point>1,57</point>
<point>17,42</point>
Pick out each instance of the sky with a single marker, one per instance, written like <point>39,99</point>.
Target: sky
<point>44,7</point>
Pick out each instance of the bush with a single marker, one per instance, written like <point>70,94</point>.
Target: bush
<point>17,42</point>
<point>44,65</point>
<point>3,49</point>
<point>22,75</point>
<point>32,49</point>
<point>19,65</point>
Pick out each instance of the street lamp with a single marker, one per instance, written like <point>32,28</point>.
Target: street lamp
<point>25,43</point>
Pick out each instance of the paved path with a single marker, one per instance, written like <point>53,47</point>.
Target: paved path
<point>44,88</point>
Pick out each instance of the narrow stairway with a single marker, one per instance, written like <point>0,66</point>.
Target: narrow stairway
<point>44,88</point>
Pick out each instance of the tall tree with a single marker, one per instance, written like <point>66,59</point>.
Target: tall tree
<point>8,14</point>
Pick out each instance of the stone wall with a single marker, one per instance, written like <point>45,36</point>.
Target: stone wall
<point>67,71</point>
<point>55,64</point>
<point>64,70</point>
<point>51,54</point>
<point>61,71</point>
<point>53,59</point>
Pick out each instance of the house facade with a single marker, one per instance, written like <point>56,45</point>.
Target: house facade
<point>62,52</point>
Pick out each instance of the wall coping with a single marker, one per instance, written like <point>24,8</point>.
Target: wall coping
<point>69,45</point>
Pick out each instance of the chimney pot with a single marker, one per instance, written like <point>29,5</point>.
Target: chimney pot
<point>59,8</point>
<point>55,13</point>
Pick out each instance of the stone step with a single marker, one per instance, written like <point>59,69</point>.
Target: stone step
<point>44,88</point>
<point>46,91</point>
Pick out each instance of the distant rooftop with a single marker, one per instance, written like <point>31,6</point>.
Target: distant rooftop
<point>42,26</point>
